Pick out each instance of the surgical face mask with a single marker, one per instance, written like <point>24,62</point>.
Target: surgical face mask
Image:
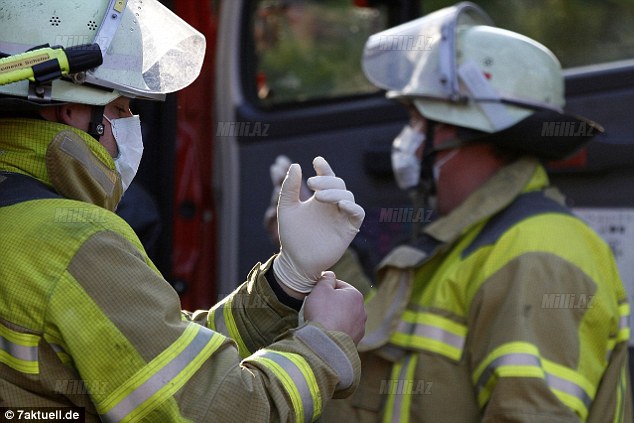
<point>127,134</point>
<point>405,163</point>
<point>440,163</point>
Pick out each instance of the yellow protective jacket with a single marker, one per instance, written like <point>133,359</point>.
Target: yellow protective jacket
<point>509,309</point>
<point>86,320</point>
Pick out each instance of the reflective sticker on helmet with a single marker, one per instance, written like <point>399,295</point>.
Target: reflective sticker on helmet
<point>120,5</point>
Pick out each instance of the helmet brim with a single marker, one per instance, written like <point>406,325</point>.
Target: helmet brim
<point>546,134</point>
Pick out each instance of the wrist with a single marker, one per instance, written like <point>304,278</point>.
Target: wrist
<point>289,279</point>
<point>289,299</point>
<point>290,292</point>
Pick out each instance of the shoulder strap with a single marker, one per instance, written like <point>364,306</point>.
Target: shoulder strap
<point>17,188</point>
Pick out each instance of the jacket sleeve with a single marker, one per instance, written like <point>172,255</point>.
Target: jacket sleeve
<point>548,339</point>
<point>251,315</point>
<point>120,323</point>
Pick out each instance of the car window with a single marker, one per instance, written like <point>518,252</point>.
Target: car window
<point>579,32</point>
<point>308,50</point>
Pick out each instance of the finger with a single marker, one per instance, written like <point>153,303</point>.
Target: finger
<point>354,211</point>
<point>334,196</point>
<point>289,194</point>
<point>326,281</point>
<point>328,274</point>
<point>322,168</point>
<point>317,183</point>
<point>279,169</point>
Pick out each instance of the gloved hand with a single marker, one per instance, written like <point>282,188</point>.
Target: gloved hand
<point>314,233</point>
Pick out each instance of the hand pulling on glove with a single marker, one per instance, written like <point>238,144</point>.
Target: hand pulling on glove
<point>314,233</point>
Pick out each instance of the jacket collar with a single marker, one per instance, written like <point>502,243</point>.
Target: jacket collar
<point>67,159</point>
<point>523,175</point>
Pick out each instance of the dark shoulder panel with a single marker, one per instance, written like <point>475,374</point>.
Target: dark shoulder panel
<point>525,206</point>
<point>16,188</point>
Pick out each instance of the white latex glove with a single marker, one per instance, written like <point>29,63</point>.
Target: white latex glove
<point>314,233</point>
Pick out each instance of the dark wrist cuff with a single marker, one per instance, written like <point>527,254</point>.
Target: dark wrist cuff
<point>282,296</point>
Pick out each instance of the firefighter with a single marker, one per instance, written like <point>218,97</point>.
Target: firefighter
<point>507,307</point>
<point>86,319</point>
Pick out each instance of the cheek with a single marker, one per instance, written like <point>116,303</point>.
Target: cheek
<point>419,151</point>
<point>109,143</point>
<point>459,163</point>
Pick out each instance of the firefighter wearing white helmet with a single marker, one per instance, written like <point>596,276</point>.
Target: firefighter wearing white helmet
<point>506,307</point>
<point>86,319</point>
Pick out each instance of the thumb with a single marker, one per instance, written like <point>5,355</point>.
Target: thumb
<point>289,194</point>
<point>322,168</point>
<point>327,280</point>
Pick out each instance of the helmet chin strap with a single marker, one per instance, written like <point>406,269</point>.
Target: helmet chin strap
<point>95,127</point>
<point>423,196</point>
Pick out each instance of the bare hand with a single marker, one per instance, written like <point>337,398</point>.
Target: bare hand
<point>336,305</point>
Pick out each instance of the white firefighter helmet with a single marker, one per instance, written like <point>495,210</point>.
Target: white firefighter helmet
<point>457,68</point>
<point>147,50</point>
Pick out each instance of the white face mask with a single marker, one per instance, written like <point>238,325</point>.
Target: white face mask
<point>127,134</point>
<point>405,163</point>
<point>440,163</point>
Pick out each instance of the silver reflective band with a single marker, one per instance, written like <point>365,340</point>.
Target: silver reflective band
<point>18,351</point>
<point>298,380</point>
<point>219,321</point>
<point>507,360</point>
<point>399,414</point>
<point>330,352</point>
<point>161,378</point>
<point>432,332</point>
<point>523,359</point>
<point>569,387</point>
<point>624,322</point>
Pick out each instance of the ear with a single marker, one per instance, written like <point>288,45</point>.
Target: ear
<point>65,114</point>
<point>73,114</point>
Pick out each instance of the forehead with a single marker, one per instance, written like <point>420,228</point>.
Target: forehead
<point>119,102</point>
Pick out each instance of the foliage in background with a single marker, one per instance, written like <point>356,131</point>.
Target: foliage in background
<point>579,32</point>
<point>311,49</point>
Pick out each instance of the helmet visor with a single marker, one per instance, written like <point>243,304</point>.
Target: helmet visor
<point>152,53</point>
<point>418,58</point>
